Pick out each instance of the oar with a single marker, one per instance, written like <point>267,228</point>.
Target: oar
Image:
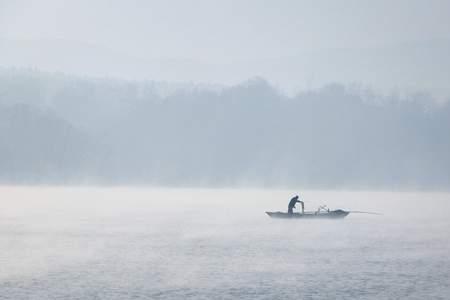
<point>365,212</point>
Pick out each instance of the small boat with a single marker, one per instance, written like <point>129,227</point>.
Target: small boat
<point>320,214</point>
<point>323,212</point>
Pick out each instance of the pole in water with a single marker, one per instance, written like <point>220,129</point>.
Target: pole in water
<point>365,212</point>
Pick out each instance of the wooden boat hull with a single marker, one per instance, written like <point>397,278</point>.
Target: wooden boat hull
<point>334,214</point>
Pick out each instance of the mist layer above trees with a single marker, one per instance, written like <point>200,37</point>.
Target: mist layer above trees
<point>62,129</point>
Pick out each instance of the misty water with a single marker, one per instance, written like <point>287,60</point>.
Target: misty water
<point>144,243</point>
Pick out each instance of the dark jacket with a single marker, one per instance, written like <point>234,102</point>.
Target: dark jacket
<point>293,202</point>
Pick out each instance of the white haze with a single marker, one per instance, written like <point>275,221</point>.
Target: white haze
<point>71,130</point>
<point>142,141</point>
<point>296,45</point>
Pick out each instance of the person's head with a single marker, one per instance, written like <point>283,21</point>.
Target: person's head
<point>296,197</point>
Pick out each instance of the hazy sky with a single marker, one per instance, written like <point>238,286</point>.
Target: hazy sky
<point>223,30</point>
<point>386,45</point>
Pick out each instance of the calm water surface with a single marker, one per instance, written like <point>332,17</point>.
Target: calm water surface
<point>138,243</point>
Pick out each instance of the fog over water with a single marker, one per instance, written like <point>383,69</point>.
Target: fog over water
<point>145,243</point>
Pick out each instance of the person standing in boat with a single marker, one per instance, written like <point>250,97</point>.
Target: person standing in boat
<point>292,203</point>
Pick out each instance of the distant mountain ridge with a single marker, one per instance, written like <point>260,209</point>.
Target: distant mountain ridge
<point>406,67</point>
